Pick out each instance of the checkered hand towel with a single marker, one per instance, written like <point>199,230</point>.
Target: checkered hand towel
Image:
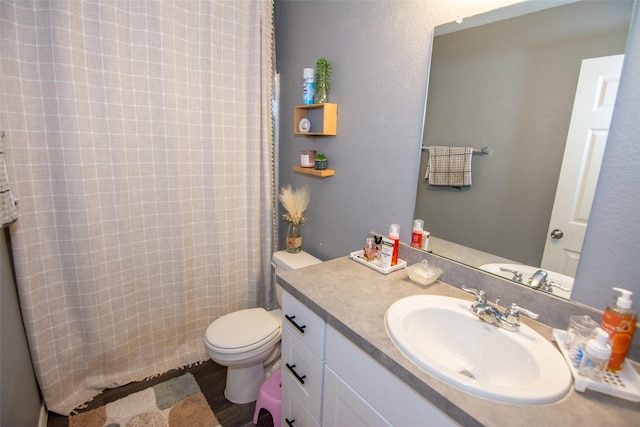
<point>449,166</point>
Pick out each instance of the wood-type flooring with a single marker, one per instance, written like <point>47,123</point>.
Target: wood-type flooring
<point>210,377</point>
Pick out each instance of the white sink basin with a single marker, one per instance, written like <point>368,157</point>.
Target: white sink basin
<point>528,271</point>
<point>441,336</point>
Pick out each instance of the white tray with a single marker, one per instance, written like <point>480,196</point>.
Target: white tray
<point>624,384</point>
<point>358,256</point>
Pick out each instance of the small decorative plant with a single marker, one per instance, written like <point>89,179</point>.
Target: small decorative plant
<point>295,202</point>
<point>323,80</point>
<point>321,161</point>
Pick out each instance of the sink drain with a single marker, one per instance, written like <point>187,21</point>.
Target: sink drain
<point>467,374</point>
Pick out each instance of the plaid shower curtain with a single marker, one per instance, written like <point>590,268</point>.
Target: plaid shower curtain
<point>138,139</point>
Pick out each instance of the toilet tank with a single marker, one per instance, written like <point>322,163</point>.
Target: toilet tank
<point>284,261</point>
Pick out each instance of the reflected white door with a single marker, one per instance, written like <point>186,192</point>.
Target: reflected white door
<point>586,140</point>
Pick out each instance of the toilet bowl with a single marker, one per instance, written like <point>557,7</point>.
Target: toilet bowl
<point>247,341</point>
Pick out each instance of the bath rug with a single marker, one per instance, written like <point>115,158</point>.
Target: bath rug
<point>177,402</point>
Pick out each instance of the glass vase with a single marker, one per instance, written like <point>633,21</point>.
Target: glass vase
<point>323,96</point>
<point>294,238</point>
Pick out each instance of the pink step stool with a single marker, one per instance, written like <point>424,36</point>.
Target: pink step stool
<point>270,398</point>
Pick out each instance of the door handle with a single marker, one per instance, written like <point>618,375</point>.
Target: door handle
<point>557,234</point>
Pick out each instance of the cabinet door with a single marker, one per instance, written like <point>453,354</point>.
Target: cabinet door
<point>302,371</point>
<point>307,326</point>
<point>294,412</point>
<point>344,407</point>
<point>394,399</point>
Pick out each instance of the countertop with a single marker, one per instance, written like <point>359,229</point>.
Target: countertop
<point>354,299</point>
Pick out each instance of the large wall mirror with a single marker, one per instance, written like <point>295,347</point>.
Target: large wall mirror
<point>509,84</point>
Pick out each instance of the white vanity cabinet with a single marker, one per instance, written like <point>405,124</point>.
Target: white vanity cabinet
<point>329,381</point>
<point>303,334</point>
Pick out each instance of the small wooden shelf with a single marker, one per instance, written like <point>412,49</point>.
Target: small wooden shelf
<point>323,118</point>
<point>311,171</point>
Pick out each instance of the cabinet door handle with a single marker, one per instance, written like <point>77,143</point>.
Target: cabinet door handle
<point>289,423</point>
<point>293,322</point>
<point>295,374</point>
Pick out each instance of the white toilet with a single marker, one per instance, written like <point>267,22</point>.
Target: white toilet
<point>247,341</point>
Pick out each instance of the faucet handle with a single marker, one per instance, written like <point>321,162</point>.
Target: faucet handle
<point>554,284</point>
<point>517,276</point>
<point>515,309</point>
<point>480,295</point>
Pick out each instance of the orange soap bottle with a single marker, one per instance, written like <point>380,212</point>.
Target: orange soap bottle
<point>417,234</point>
<point>620,323</point>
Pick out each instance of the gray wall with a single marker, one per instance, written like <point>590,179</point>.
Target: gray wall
<point>379,52</point>
<point>19,394</point>
<point>510,85</point>
<point>610,256</point>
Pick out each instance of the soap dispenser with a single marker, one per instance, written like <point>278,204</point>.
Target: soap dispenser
<point>417,233</point>
<point>596,356</point>
<point>620,323</point>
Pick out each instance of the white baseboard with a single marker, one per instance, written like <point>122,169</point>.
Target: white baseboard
<point>44,415</point>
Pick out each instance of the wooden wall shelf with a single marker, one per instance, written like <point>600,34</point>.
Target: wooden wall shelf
<point>323,118</point>
<point>311,171</point>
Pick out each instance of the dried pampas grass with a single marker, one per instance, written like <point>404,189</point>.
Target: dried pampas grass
<point>295,202</point>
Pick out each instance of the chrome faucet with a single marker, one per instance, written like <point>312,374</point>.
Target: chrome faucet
<point>540,281</point>
<point>509,319</point>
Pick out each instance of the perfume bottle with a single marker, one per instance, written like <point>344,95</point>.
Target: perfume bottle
<point>370,250</point>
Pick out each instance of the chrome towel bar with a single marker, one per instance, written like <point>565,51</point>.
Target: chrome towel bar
<point>483,150</point>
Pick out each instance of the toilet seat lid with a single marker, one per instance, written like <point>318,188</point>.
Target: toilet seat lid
<point>242,329</point>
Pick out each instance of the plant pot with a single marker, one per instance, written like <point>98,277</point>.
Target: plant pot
<point>321,164</point>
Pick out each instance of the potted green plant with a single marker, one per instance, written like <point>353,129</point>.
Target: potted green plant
<point>320,162</point>
<point>323,80</point>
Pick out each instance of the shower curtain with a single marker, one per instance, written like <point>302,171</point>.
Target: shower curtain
<point>138,140</point>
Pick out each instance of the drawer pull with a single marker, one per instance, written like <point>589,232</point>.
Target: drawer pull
<point>293,322</point>
<point>295,374</point>
<point>289,423</point>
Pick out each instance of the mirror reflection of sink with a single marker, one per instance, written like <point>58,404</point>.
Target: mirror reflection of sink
<point>441,336</point>
<point>528,271</point>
